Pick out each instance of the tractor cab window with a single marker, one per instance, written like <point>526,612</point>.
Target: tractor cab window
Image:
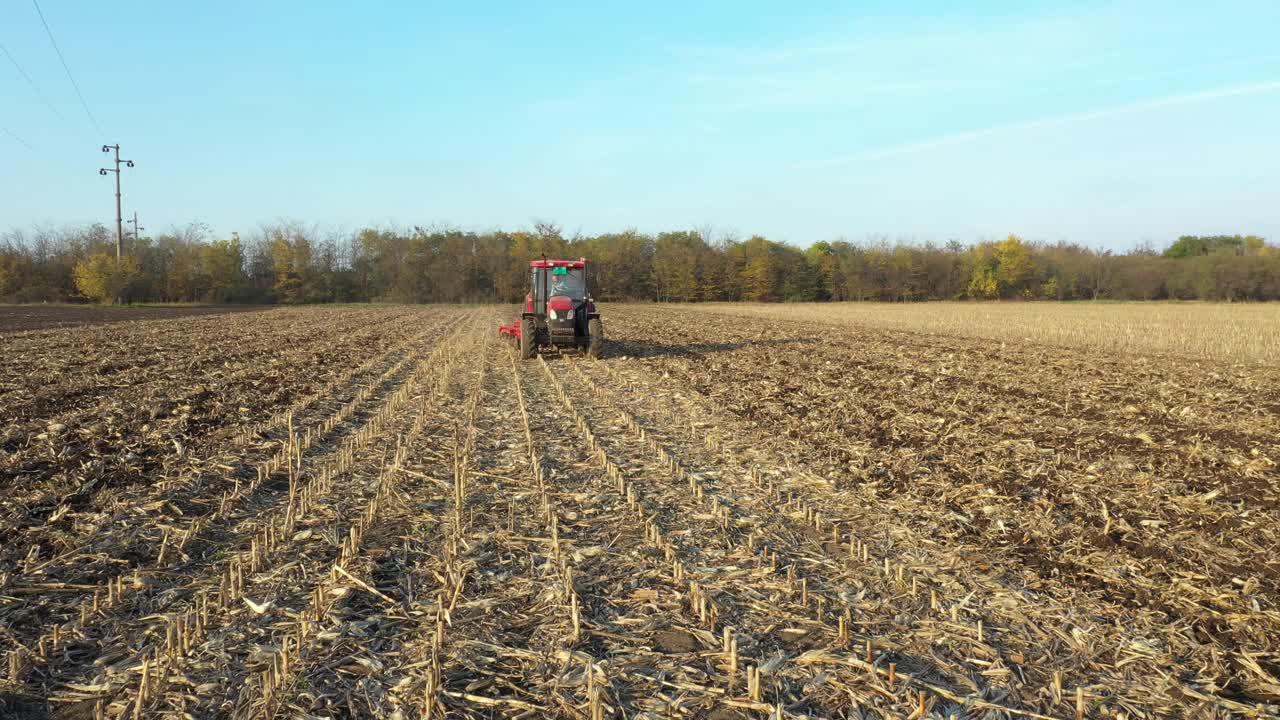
<point>560,281</point>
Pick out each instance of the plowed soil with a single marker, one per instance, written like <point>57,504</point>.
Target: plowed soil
<point>18,318</point>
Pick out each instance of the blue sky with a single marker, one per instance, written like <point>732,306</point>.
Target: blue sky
<point>1107,124</point>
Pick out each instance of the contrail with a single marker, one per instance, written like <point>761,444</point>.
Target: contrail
<point>1257,88</point>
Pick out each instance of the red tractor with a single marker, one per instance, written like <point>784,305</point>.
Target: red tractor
<point>558,311</point>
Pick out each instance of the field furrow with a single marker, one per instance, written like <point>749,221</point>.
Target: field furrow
<point>841,552</point>
<point>249,535</point>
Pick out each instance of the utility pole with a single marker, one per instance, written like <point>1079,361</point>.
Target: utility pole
<point>135,226</point>
<point>119,211</point>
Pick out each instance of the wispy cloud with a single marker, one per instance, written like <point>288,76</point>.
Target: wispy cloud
<point>767,56</point>
<point>959,138</point>
<point>799,90</point>
<point>890,62</point>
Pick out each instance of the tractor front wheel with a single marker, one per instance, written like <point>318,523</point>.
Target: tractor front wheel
<point>595,331</point>
<point>528,338</point>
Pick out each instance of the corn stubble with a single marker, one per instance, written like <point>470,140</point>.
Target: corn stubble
<point>1231,333</point>
<point>720,519</point>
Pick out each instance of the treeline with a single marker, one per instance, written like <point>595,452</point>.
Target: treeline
<point>292,263</point>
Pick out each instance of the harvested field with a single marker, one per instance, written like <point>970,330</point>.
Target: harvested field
<point>16,318</point>
<point>383,512</point>
<point>1234,333</point>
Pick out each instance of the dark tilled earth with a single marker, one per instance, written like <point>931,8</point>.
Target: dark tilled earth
<point>18,318</point>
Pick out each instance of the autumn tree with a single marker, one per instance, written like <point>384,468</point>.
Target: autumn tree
<point>1189,246</point>
<point>8,273</point>
<point>290,263</point>
<point>1002,269</point>
<point>223,265</point>
<point>615,263</point>
<point>760,271</point>
<point>513,282</point>
<point>800,279</point>
<point>1013,266</point>
<point>822,260</point>
<point>984,283</point>
<point>675,266</point>
<point>849,279</point>
<point>102,278</point>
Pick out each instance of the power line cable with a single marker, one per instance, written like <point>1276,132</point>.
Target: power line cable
<point>35,88</point>
<point>63,60</point>
<point>14,135</point>
<point>35,150</point>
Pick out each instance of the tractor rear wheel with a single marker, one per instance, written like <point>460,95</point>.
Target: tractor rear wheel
<point>595,331</point>
<point>528,338</point>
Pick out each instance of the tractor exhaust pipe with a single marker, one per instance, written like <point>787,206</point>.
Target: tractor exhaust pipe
<point>544,283</point>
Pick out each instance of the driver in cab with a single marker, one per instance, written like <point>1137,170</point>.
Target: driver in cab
<point>559,286</point>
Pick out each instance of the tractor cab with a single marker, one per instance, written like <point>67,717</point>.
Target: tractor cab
<point>558,310</point>
<point>560,286</point>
